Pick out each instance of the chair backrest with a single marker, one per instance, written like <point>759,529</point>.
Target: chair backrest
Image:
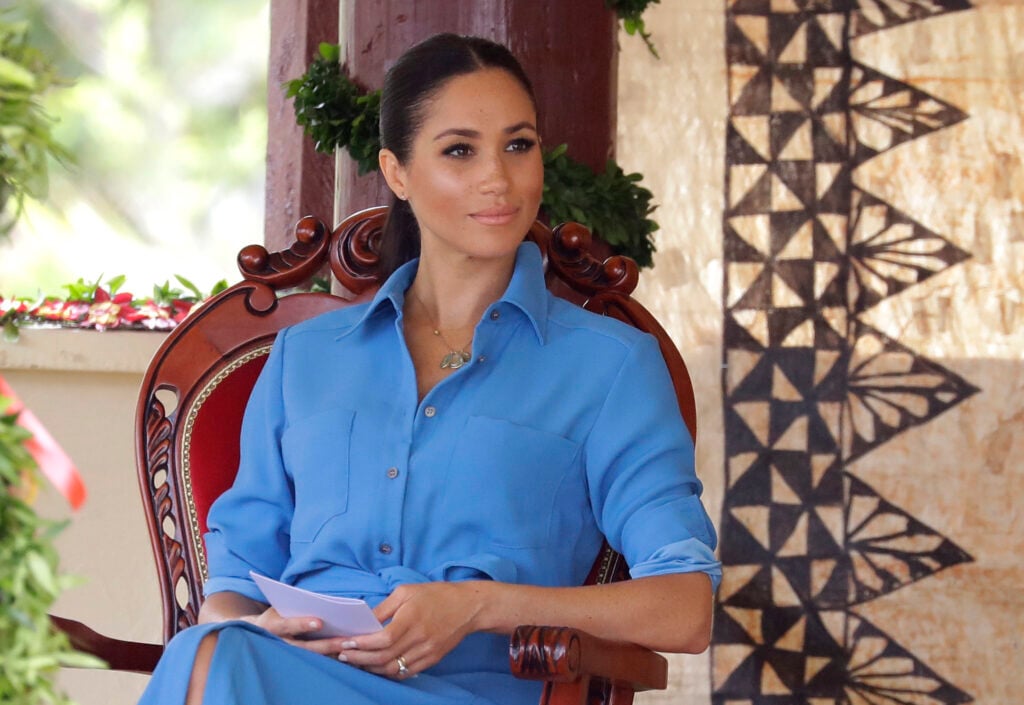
<point>192,399</point>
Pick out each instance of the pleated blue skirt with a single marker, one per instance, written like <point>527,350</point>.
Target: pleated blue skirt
<point>250,666</point>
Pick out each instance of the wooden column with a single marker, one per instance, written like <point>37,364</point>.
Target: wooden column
<point>299,180</point>
<point>568,48</point>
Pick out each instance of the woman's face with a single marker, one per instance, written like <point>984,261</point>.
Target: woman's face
<point>474,177</point>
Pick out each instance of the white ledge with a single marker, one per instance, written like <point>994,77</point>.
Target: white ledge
<point>80,350</point>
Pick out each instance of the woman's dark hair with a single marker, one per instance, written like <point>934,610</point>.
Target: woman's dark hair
<point>415,78</point>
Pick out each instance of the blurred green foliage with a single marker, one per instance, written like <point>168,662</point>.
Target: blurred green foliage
<point>165,116</point>
<point>31,650</point>
<point>26,139</point>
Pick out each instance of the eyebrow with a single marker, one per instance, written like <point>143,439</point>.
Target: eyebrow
<point>474,134</point>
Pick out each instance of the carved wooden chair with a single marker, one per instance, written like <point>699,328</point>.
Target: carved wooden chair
<point>189,419</point>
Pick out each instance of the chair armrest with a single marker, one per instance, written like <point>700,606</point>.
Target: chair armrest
<point>562,655</point>
<point>119,655</point>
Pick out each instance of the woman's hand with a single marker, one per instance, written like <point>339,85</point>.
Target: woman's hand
<point>224,606</point>
<point>292,629</point>
<point>427,621</point>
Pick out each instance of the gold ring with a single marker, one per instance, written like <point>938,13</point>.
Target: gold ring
<point>402,668</point>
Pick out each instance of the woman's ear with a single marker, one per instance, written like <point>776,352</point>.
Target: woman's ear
<point>393,172</point>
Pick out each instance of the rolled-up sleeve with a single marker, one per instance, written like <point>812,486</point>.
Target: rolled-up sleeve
<point>640,467</point>
<point>249,524</point>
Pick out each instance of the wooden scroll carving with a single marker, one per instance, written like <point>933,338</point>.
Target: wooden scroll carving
<point>568,248</point>
<point>565,655</point>
<point>546,653</point>
<point>291,267</point>
<point>355,250</point>
<point>168,523</point>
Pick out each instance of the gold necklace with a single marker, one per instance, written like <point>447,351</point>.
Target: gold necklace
<point>455,357</point>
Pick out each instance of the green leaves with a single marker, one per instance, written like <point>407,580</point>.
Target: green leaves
<point>335,112</point>
<point>631,13</point>
<point>25,128</point>
<point>612,204</point>
<point>30,648</point>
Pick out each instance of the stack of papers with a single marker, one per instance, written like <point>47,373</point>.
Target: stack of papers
<point>341,616</point>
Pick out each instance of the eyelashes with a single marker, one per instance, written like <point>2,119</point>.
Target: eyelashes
<point>521,144</point>
<point>463,150</point>
<point>459,150</point>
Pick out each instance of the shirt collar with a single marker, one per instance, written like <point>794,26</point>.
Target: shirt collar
<point>526,291</point>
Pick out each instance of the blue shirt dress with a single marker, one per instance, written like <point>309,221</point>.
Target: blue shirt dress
<point>561,430</point>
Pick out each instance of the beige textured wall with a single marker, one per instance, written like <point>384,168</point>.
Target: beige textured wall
<point>960,472</point>
<point>671,124</point>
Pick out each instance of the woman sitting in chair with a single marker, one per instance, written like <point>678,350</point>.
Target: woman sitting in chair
<point>453,452</point>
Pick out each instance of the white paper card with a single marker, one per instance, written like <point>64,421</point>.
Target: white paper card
<point>341,616</point>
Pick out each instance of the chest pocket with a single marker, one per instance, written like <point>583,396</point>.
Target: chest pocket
<point>316,455</point>
<point>504,481</point>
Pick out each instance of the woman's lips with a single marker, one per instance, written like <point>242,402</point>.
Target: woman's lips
<point>495,216</point>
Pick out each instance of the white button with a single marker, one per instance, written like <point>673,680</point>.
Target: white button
<point>482,358</point>
<point>384,548</point>
<point>392,473</point>
<point>495,315</point>
<point>429,412</point>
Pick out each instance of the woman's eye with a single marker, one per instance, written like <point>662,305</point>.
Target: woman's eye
<point>521,144</point>
<point>458,150</point>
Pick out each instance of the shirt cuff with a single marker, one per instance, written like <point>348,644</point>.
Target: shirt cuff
<point>686,556</point>
<point>243,586</point>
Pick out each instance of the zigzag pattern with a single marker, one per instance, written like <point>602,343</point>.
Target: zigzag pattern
<point>808,386</point>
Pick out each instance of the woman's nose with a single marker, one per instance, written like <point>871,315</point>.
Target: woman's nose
<point>495,178</point>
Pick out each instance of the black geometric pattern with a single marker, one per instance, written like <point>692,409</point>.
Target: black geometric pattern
<point>808,385</point>
<point>885,113</point>
<point>891,389</point>
<point>888,548</point>
<point>873,15</point>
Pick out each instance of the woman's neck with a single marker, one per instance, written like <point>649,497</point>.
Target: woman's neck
<point>455,294</point>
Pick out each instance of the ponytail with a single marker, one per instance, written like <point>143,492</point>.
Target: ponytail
<point>400,239</point>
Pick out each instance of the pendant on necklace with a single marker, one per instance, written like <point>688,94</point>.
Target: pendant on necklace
<point>455,359</point>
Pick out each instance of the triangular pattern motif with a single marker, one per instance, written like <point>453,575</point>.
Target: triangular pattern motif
<point>888,548</point>
<point>890,251</point>
<point>891,389</point>
<point>808,386</point>
<point>874,15</point>
<point>885,113</point>
<point>881,672</point>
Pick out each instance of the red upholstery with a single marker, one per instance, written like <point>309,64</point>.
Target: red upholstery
<point>213,452</point>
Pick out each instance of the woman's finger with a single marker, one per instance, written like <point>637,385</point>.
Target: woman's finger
<point>325,647</point>
<point>273,622</point>
<point>416,660</point>
<point>297,626</point>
